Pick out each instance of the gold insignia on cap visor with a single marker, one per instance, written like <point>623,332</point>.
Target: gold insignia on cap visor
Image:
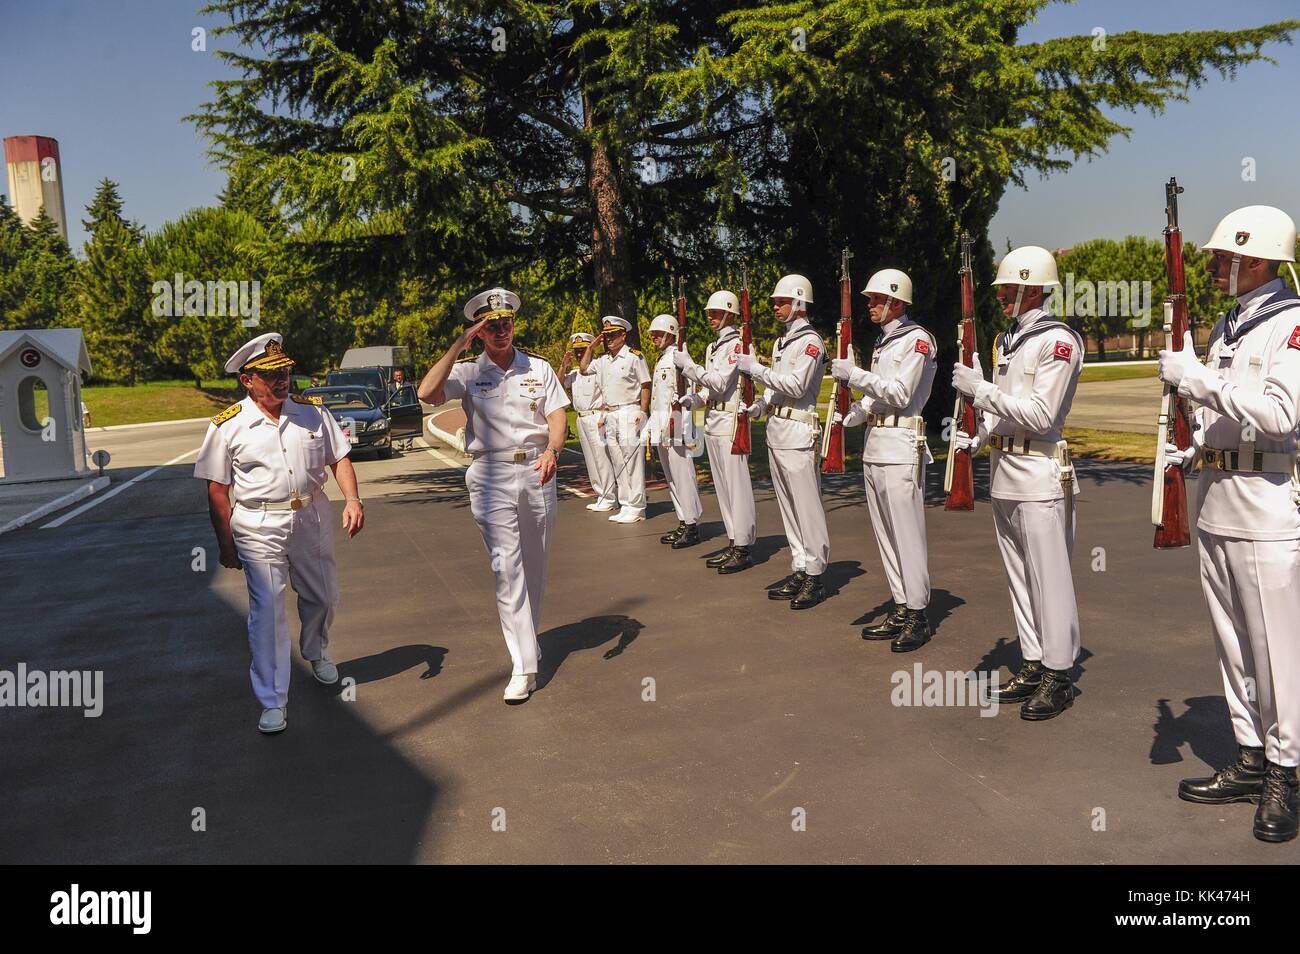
<point>271,359</point>
<point>494,307</point>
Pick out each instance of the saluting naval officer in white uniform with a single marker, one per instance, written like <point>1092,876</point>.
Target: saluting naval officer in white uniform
<point>588,403</point>
<point>669,420</point>
<point>894,452</point>
<point>791,386</point>
<point>1021,415</point>
<point>515,425</point>
<point>719,380</point>
<point>272,450</point>
<point>1247,398</point>
<point>625,384</point>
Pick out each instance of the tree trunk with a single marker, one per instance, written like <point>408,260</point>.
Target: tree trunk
<point>1101,347</point>
<point>611,258</point>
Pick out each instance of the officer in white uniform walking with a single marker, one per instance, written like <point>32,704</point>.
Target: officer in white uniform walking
<point>1248,528</point>
<point>271,449</point>
<point>1021,415</point>
<point>719,380</point>
<point>625,384</point>
<point>791,386</point>
<point>894,452</point>
<point>515,425</point>
<point>588,403</point>
<point>673,432</point>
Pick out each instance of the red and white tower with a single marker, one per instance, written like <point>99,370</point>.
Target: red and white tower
<point>35,179</point>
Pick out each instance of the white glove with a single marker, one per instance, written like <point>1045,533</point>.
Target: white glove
<point>963,441</point>
<point>682,358</point>
<point>690,401</point>
<point>754,410</point>
<point>1175,366</point>
<point>855,416</point>
<point>967,380</point>
<point>842,369</point>
<point>1186,459</point>
<point>747,363</point>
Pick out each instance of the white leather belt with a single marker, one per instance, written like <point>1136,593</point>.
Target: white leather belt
<point>615,407</point>
<point>1024,446</point>
<point>733,405</point>
<point>515,456</point>
<point>807,417</point>
<point>894,420</point>
<point>588,412</point>
<point>1260,463</point>
<point>293,503</point>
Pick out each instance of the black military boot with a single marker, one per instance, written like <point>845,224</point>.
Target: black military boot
<point>810,593</point>
<point>672,535</point>
<point>739,560</point>
<point>1242,781</point>
<point>689,536</point>
<point>1021,685</point>
<point>1053,696</point>
<point>789,587</point>
<point>714,562</point>
<point>916,632</point>
<point>887,628</point>
<point>1276,817</point>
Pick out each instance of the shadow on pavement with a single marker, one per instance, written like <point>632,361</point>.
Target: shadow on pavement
<point>559,643</point>
<point>1205,727</point>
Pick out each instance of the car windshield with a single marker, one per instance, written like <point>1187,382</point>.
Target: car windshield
<point>344,398</point>
<point>369,379</point>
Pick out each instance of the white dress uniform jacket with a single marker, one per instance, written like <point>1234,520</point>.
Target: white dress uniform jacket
<point>903,366</point>
<point>621,377</point>
<point>588,401</point>
<point>675,455</point>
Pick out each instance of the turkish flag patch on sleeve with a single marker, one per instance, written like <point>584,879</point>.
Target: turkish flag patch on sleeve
<point>1295,338</point>
<point>812,351</point>
<point>922,346</point>
<point>1063,351</point>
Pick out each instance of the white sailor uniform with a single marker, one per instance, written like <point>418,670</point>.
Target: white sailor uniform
<point>505,432</point>
<point>894,453</point>
<point>282,526</point>
<point>668,431</point>
<point>1248,527</point>
<point>589,402</point>
<point>621,377</point>
<point>719,380</point>
<point>791,386</point>
<point>1025,406</point>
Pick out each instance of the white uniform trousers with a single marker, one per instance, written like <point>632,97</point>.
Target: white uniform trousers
<point>280,548</point>
<point>734,490</point>
<point>683,487</point>
<point>1252,588</point>
<point>600,467</point>
<point>625,445</point>
<point>1036,550</point>
<point>896,504</point>
<point>515,516</point>
<point>797,480</point>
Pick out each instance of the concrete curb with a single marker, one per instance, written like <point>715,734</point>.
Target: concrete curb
<point>82,492</point>
<point>455,441</point>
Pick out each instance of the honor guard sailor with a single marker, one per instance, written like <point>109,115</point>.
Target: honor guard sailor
<point>1021,415</point>
<point>894,452</point>
<point>588,403</point>
<point>264,460</point>
<point>515,426</point>
<point>625,384</point>
<point>1247,397</point>
<point>719,379</point>
<point>791,386</point>
<point>669,419</point>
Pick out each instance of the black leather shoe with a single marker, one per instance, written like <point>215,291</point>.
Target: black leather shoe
<point>1277,815</point>
<point>1242,781</point>
<point>672,535</point>
<point>916,632</point>
<point>689,536</point>
<point>810,594</point>
<point>789,587</point>
<point>739,560</point>
<point>887,628</point>
<point>714,562</point>
<point>1021,685</point>
<point>1053,696</point>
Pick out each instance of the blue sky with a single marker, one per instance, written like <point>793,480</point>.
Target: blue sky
<point>111,81</point>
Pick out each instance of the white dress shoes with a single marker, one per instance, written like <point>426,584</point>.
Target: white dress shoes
<point>520,687</point>
<point>628,515</point>
<point>602,506</point>
<point>325,671</point>
<point>273,720</point>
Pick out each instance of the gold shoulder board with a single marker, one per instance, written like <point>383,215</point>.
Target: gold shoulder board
<point>635,352</point>
<point>307,399</point>
<point>227,414</point>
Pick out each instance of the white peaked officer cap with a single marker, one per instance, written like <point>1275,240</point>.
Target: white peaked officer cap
<point>263,353</point>
<point>723,301</point>
<point>664,323</point>
<point>492,304</point>
<point>794,286</point>
<point>611,323</point>
<point>581,337</point>
<point>891,283</point>
<point>1028,265</point>
<point>1257,231</point>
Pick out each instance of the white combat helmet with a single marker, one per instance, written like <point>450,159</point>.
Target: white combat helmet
<point>1259,231</point>
<point>794,286</point>
<point>1028,265</point>
<point>891,283</point>
<point>665,323</point>
<point>723,301</point>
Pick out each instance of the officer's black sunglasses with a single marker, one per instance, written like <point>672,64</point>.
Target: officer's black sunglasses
<point>279,374</point>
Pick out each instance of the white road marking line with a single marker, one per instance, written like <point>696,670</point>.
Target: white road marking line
<point>439,455</point>
<point>95,502</point>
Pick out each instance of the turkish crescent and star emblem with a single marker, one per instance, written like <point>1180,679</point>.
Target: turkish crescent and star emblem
<point>811,351</point>
<point>922,346</point>
<point>1063,351</point>
<point>1294,341</point>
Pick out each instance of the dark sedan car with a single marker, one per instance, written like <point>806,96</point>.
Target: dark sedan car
<point>365,421</point>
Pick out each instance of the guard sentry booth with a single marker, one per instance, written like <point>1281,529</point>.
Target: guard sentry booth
<point>41,431</point>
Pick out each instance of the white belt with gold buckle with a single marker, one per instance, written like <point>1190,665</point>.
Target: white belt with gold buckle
<point>293,503</point>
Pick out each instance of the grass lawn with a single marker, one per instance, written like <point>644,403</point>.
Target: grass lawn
<point>157,401</point>
<point>1127,372</point>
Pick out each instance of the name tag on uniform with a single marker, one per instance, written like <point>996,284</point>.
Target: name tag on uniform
<point>486,388</point>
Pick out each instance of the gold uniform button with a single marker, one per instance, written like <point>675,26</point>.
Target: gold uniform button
<point>533,406</point>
